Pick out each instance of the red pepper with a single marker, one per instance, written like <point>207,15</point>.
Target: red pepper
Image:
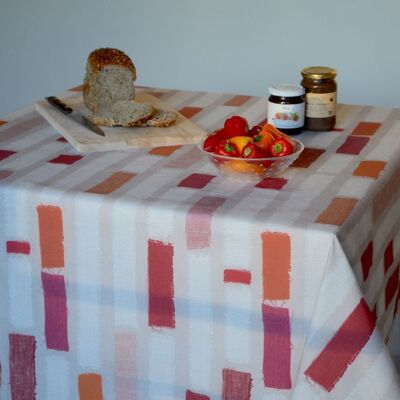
<point>236,126</point>
<point>251,150</point>
<point>281,147</point>
<point>212,140</point>
<point>255,130</point>
<point>224,148</point>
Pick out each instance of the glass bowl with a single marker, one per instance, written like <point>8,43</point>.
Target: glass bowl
<point>252,168</point>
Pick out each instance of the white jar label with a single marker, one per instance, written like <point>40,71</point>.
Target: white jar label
<point>321,105</point>
<point>286,116</point>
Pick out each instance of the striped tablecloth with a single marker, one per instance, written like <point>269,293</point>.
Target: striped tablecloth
<point>147,275</point>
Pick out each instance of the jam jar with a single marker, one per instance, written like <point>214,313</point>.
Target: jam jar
<point>286,107</point>
<point>320,86</point>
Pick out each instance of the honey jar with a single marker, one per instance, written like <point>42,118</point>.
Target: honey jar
<point>320,86</point>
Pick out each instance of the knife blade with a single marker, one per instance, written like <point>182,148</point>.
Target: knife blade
<point>75,115</point>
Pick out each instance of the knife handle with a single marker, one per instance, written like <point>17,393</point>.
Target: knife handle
<point>56,102</point>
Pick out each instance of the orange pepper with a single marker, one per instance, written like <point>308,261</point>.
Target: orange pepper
<point>240,142</point>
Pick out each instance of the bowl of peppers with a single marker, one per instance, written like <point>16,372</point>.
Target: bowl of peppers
<point>250,154</point>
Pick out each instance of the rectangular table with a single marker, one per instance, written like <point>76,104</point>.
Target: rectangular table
<point>147,275</point>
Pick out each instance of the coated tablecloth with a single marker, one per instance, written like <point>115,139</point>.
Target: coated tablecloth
<point>147,275</point>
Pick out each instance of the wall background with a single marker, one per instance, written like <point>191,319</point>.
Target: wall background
<point>233,46</point>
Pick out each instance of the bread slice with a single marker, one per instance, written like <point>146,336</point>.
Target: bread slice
<point>124,113</point>
<point>110,76</point>
<point>160,119</point>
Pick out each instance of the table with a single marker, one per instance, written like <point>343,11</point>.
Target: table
<point>146,275</point>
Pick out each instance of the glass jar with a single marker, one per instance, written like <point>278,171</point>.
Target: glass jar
<point>321,89</point>
<point>286,108</point>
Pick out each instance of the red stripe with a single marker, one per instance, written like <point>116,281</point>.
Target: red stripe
<point>18,247</point>
<point>392,286</point>
<point>196,181</point>
<point>161,284</point>
<point>343,348</point>
<point>277,349</point>
<point>6,153</point>
<point>22,366</point>
<point>388,257</point>
<point>237,276</point>
<point>67,159</point>
<point>353,145</point>
<point>195,396</point>
<point>366,260</point>
<point>236,385</point>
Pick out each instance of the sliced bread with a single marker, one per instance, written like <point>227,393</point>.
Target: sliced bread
<point>160,119</point>
<point>110,76</point>
<point>124,113</point>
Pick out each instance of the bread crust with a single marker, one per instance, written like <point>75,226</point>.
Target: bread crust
<point>101,57</point>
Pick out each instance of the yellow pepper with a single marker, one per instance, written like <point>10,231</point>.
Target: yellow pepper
<point>240,142</point>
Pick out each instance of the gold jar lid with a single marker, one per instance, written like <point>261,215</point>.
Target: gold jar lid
<point>318,73</point>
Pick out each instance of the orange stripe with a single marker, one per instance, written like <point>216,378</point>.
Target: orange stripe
<point>90,387</point>
<point>51,236</point>
<point>337,211</point>
<point>164,150</point>
<point>112,183</point>
<point>276,265</point>
<point>366,128</point>
<point>385,195</point>
<point>77,88</point>
<point>2,122</point>
<point>371,169</point>
<point>237,101</point>
<point>190,112</point>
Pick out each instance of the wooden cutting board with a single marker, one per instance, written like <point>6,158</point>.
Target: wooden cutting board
<point>183,131</point>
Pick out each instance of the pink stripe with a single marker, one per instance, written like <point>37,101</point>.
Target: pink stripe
<point>277,349</point>
<point>18,247</point>
<point>161,284</point>
<point>343,348</point>
<point>22,359</point>
<point>23,126</point>
<point>236,385</point>
<point>198,222</point>
<point>55,309</point>
<point>125,366</point>
<point>186,159</point>
<point>5,173</point>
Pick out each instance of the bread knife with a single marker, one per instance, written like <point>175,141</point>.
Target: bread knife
<point>75,115</point>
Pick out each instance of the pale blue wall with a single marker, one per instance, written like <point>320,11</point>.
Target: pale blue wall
<point>232,46</point>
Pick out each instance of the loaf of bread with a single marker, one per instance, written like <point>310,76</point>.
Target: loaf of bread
<point>109,92</point>
<point>110,76</point>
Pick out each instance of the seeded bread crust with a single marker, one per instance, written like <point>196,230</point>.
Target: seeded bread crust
<point>110,76</point>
